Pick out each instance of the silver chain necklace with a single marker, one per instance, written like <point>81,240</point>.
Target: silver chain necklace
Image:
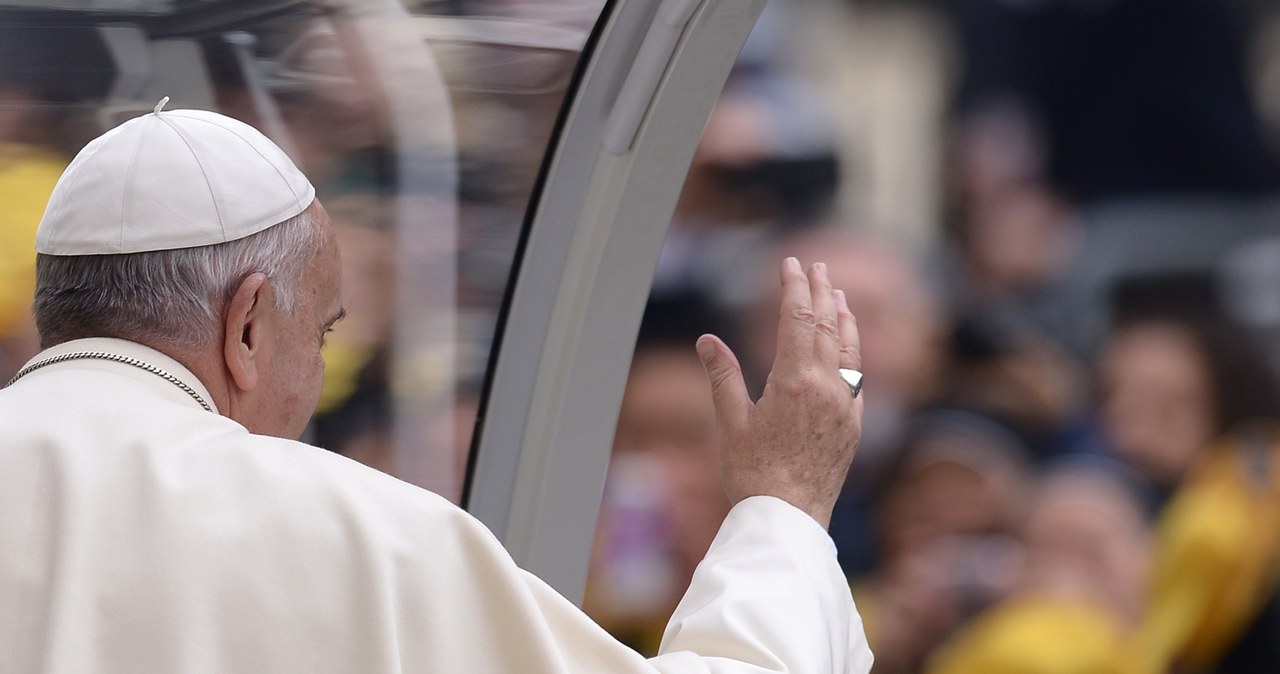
<point>115,358</point>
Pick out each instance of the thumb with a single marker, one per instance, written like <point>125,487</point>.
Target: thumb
<point>728,390</point>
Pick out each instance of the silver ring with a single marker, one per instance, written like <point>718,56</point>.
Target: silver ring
<point>853,378</point>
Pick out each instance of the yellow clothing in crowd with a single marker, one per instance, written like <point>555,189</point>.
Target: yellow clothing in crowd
<point>1217,556</point>
<point>27,176</point>
<point>1040,635</point>
<point>1216,565</point>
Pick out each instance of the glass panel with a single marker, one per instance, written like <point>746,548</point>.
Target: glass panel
<point>422,124</point>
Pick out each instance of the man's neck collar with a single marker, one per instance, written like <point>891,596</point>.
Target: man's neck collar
<point>129,350</point>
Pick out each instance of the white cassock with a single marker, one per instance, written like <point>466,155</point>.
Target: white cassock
<point>142,533</point>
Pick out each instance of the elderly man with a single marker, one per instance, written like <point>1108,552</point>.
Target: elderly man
<point>153,517</point>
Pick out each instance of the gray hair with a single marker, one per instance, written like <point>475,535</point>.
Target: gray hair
<point>168,296</point>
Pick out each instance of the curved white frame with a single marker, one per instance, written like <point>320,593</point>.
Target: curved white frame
<point>588,265</point>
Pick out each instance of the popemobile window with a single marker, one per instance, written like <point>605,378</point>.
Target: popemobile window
<point>422,125</point>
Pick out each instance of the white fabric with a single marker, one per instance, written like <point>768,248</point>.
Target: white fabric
<point>172,179</point>
<point>140,533</point>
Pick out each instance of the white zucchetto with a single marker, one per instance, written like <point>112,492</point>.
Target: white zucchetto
<point>167,180</point>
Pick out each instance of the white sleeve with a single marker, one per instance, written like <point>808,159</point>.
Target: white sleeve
<point>428,587</point>
<point>768,597</point>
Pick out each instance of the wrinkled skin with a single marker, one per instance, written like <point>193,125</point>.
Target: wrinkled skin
<point>797,441</point>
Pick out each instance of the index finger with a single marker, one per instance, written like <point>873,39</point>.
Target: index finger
<point>795,319</point>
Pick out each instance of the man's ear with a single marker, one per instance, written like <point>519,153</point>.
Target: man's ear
<point>244,330</point>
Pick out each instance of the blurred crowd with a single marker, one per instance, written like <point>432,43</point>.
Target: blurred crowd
<point>1068,299</point>
<point>1057,222</point>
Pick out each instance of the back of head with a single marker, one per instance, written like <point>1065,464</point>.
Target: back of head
<point>155,222</point>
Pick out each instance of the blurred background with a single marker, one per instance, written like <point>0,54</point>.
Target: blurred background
<point>1057,222</point>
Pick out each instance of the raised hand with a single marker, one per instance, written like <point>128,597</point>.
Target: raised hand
<point>797,441</point>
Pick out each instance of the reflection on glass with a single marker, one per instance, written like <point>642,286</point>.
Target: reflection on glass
<point>422,125</point>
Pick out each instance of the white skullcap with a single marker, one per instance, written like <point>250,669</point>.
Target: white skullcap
<point>167,180</point>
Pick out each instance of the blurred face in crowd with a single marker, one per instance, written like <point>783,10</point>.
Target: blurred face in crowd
<point>958,484</point>
<point>663,501</point>
<point>895,319</point>
<point>1020,241</point>
<point>667,415</point>
<point>1157,399</point>
<point>946,545</point>
<point>1086,537</point>
<point>666,407</point>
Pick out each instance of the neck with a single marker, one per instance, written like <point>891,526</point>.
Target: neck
<point>206,364</point>
<point>164,364</point>
<point>204,361</point>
